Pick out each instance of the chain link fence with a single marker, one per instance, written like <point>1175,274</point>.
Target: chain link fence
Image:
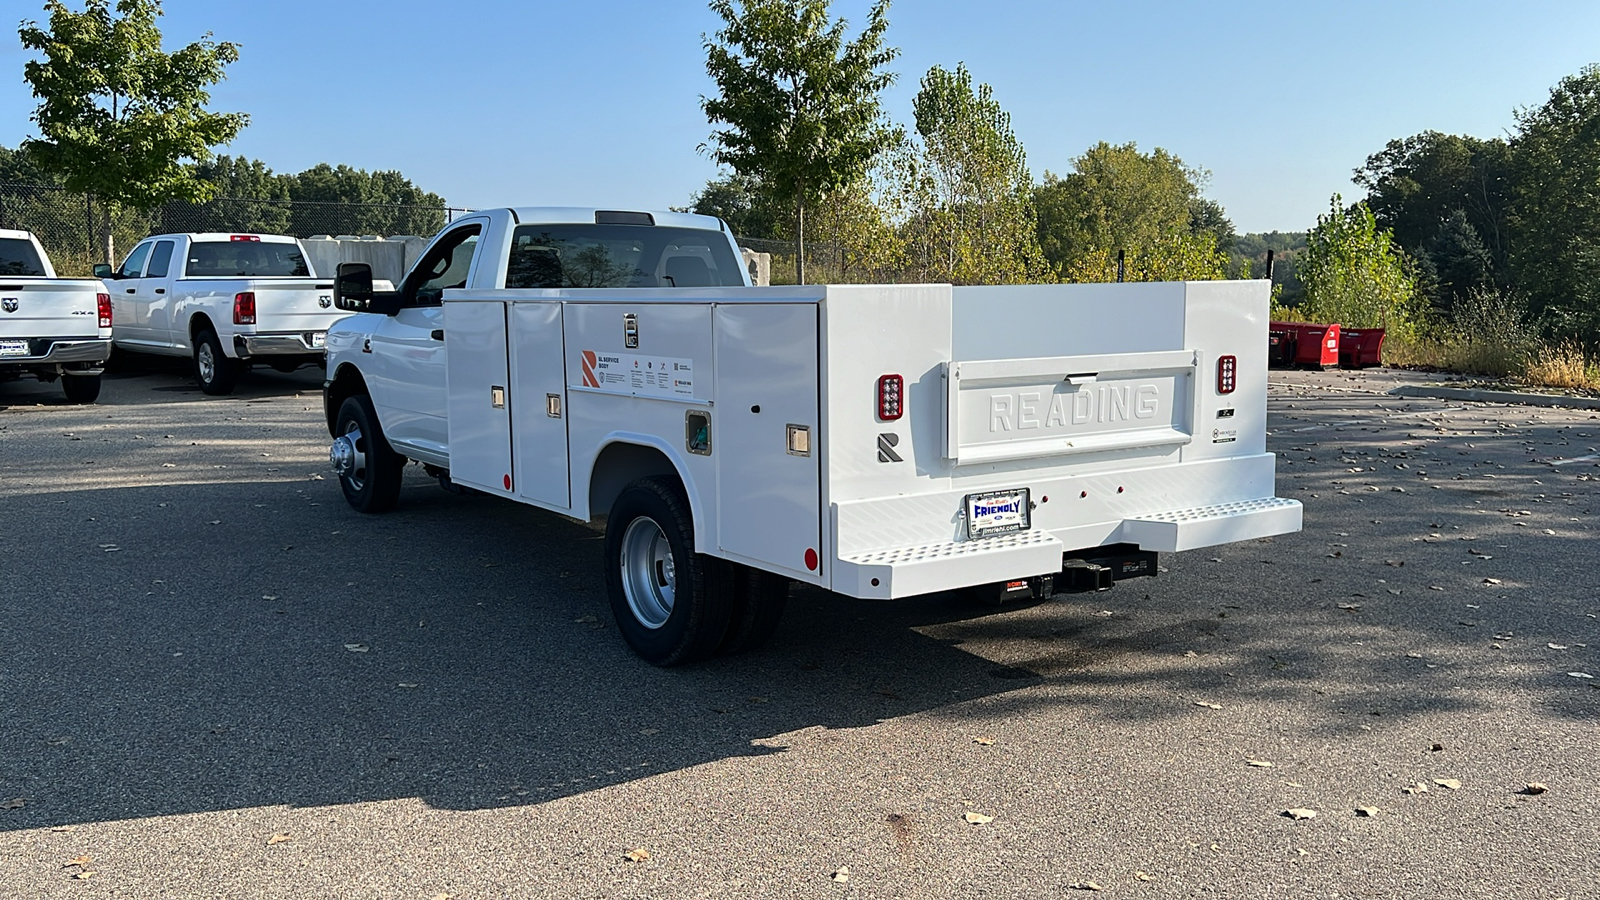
<point>67,222</point>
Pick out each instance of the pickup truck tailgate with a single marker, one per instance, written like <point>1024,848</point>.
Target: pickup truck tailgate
<point>37,308</point>
<point>294,304</point>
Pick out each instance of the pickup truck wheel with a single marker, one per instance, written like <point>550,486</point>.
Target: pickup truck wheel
<point>369,470</point>
<point>758,601</point>
<point>671,603</point>
<point>215,371</point>
<point>81,388</point>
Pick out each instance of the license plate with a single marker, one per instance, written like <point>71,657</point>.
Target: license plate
<point>998,512</point>
<point>15,348</point>
<point>318,340</point>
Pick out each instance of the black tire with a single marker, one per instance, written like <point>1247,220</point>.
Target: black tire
<point>81,388</point>
<point>215,370</point>
<point>672,604</point>
<point>373,485</point>
<point>758,601</point>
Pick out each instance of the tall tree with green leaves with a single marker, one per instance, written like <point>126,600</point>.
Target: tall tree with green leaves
<point>799,102</point>
<point>1354,274</point>
<point>976,225</point>
<point>1145,206</point>
<point>1555,220</point>
<point>118,117</point>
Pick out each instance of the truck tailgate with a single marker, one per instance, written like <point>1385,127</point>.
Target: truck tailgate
<point>1014,409</point>
<point>31,308</point>
<point>294,304</point>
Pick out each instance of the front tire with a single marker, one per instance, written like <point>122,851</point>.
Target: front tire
<point>215,370</point>
<point>671,604</point>
<point>81,388</point>
<point>372,483</point>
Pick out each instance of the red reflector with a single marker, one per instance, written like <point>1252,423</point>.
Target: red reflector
<point>244,237</point>
<point>244,308</point>
<point>891,397</point>
<point>1227,374</point>
<point>1016,585</point>
<point>811,559</point>
<point>103,303</point>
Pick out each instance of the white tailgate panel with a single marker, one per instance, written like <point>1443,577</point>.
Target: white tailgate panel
<point>768,499</point>
<point>475,362</point>
<point>539,370</point>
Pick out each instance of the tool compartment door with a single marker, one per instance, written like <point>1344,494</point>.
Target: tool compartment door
<point>478,394</point>
<point>539,376</point>
<point>768,496</point>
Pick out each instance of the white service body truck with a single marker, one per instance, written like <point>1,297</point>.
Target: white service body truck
<point>51,327</point>
<point>224,300</point>
<point>879,441</point>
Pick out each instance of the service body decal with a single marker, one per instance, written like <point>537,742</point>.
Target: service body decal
<point>644,376</point>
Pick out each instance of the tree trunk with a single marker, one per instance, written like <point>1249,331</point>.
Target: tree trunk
<point>800,241</point>
<point>107,238</point>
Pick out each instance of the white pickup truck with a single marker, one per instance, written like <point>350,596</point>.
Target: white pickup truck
<point>879,441</point>
<point>51,327</point>
<point>224,300</point>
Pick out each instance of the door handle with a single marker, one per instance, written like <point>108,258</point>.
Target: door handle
<point>437,334</point>
<point>161,290</point>
<point>131,290</point>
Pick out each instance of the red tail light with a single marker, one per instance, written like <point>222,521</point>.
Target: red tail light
<point>103,302</point>
<point>891,397</point>
<point>244,308</point>
<point>1227,374</point>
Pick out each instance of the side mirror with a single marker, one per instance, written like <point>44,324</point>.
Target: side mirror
<point>352,288</point>
<point>104,270</point>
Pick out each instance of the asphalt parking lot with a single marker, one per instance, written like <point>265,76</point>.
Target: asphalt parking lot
<point>219,681</point>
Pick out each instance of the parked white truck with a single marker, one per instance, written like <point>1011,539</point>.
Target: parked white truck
<point>51,327</point>
<point>224,300</point>
<point>880,441</point>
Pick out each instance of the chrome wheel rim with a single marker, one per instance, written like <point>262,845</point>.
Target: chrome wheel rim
<point>355,461</point>
<point>207,363</point>
<point>649,574</point>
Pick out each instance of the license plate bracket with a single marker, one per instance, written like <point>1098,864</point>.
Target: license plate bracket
<point>15,348</point>
<point>998,512</point>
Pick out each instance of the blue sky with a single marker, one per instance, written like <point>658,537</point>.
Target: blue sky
<point>491,103</point>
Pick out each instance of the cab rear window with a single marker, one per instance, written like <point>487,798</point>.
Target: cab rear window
<point>17,257</point>
<point>227,259</point>
<point>620,256</point>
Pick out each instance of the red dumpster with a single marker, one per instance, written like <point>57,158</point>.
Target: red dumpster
<point>1361,348</point>
<point>1315,346</point>
<point>1280,346</point>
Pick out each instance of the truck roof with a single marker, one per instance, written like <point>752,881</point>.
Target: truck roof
<point>227,236</point>
<point>15,234</point>
<point>585,215</point>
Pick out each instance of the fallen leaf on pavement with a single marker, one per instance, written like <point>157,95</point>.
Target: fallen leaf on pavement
<point>985,741</point>
<point>1299,813</point>
<point>1535,788</point>
<point>1085,886</point>
<point>977,818</point>
<point>1580,674</point>
<point>14,803</point>
<point>1367,811</point>
<point>637,854</point>
<point>1260,763</point>
<point>357,648</point>
<point>1144,876</point>
<point>1418,788</point>
<point>1450,783</point>
<point>1208,705</point>
<point>77,861</point>
<point>841,874</point>
<point>84,875</point>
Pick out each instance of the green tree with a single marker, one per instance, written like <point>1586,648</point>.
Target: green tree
<point>1143,205</point>
<point>248,197</point>
<point>743,203</point>
<point>1555,223</point>
<point>1353,273</point>
<point>975,224</point>
<point>344,200</point>
<point>118,117</point>
<point>801,105</point>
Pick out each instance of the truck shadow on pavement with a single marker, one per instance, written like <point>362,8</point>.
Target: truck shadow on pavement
<point>206,647</point>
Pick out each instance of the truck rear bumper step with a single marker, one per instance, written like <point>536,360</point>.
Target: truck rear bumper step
<point>908,571</point>
<point>1206,526</point>
<point>298,343</point>
<point>66,351</point>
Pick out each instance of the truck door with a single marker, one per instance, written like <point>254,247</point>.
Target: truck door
<point>130,312</point>
<point>156,294</point>
<point>539,397</point>
<point>765,444</point>
<point>478,394</point>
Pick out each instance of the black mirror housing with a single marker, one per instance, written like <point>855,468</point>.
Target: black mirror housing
<point>352,288</point>
<point>104,270</point>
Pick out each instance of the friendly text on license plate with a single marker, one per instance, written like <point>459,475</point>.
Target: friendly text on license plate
<point>319,340</point>
<point>998,512</point>
<point>15,348</point>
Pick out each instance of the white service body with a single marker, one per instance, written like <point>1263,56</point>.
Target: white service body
<point>1101,401</point>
